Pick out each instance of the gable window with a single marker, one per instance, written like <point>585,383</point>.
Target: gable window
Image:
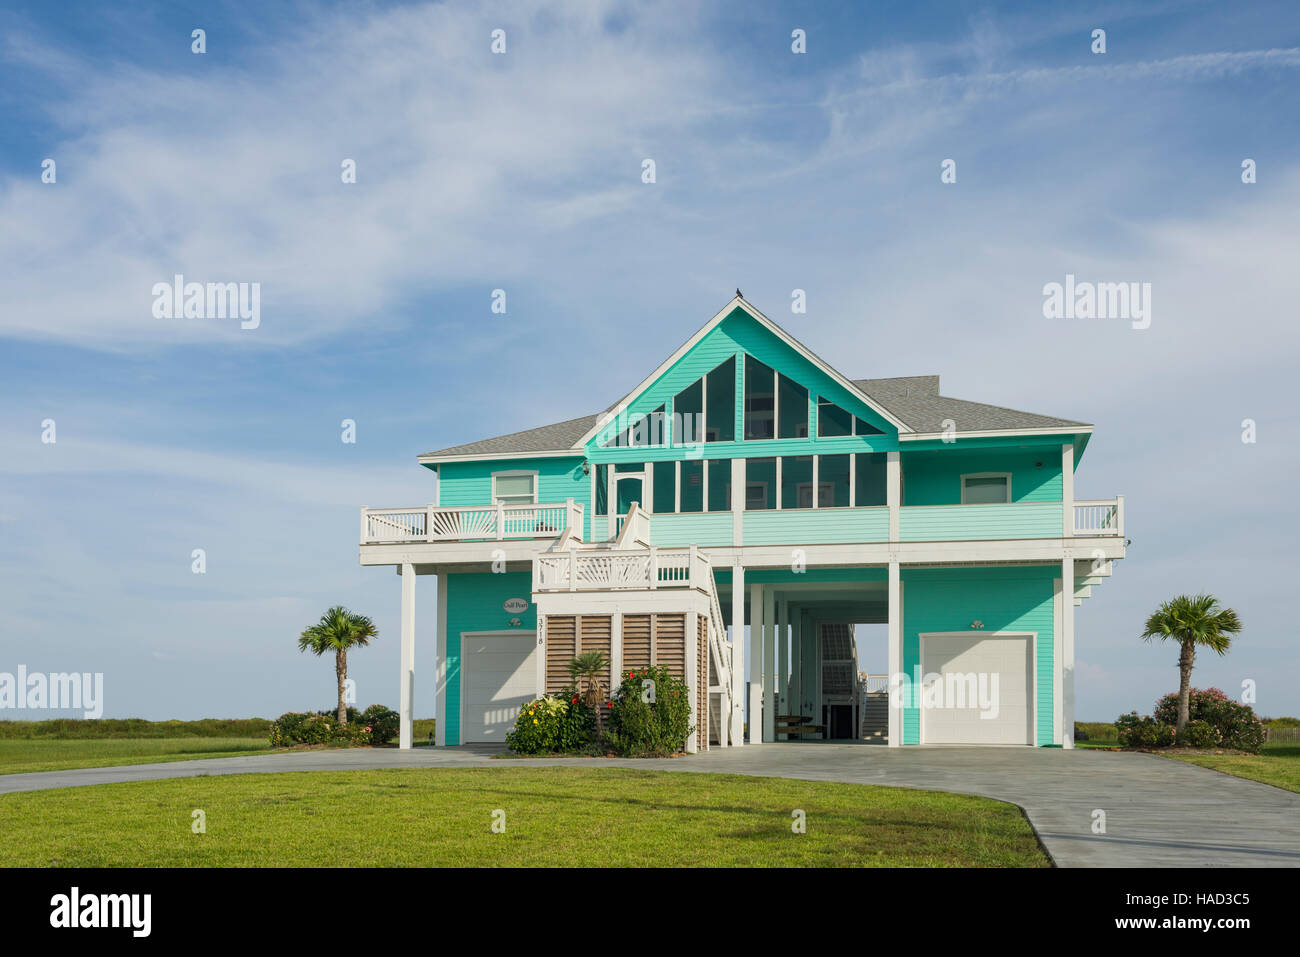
<point>986,488</point>
<point>792,411</point>
<point>760,399</point>
<point>834,421</point>
<point>647,430</point>
<point>514,488</point>
<point>720,402</point>
<point>688,414</point>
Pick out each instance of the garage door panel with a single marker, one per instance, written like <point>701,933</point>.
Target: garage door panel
<point>499,677</point>
<point>1009,658</point>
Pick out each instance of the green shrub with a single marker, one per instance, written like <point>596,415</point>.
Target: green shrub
<point>1143,732</point>
<point>1094,731</point>
<point>1198,700</point>
<point>650,714</point>
<point>551,725</point>
<point>1283,722</point>
<point>384,723</point>
<point>98,728</point>
<point>1198,734</point>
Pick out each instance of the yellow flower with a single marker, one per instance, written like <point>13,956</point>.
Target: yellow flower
<point>534,720</point>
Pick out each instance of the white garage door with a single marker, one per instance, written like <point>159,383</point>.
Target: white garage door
<point>984,691</point>
<point>498,677</point>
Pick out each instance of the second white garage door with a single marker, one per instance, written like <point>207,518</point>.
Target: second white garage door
<point>498,677</point>
<point>957,721</point>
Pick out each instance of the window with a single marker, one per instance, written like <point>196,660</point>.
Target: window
<point>514,488</point>
<point>834,421</point>
<point>602,489</point>
<point>665,486</point>
<point>692,485</point>
<point>796,481</point>
<point>832,481</point>
<point>760,410</point>
<point>720,420</point>
<point>792,417</point>
<point>720,485</point>
<point>986,488</point>
<point>647,430</point>
<point>870,477</point>
<point>760,484</point>
<point>688,414</point>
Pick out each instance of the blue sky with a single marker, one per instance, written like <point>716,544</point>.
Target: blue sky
<point>775,171</point>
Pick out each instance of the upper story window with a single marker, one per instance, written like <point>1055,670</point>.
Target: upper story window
<point>986,488</point>
<point>514,488</point>
<point>760,400</point>
<point>834,421</point>
<point>792,409</point>
<point>647,430</point>
<point>720,398</point>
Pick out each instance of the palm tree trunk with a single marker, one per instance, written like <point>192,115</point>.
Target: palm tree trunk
<point>1185,661</point>
<point>341,672</point>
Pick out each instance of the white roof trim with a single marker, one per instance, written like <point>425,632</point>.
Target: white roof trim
<point>434,459</point>
<point>992,433</point>
<point>605,418</point>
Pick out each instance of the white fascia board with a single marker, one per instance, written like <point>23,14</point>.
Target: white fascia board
<point>737,301</point>
<point>432,458</point>
<point>995,433</point>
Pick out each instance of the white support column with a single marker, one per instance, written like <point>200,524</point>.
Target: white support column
<point>755,664</point>
<point>1067,650</point>
<point>737,502</point>
<point>893,491</point>
<point>769,665</point>
<point>611,499</point>
<point>440,650</point>
<point>779,662</point>
<point>737,654</point>
<point>408,656</point>
<point>895,655</point>
<point>1067,489</point>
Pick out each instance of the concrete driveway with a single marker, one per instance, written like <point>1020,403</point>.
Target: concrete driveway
<point>1158,812</point>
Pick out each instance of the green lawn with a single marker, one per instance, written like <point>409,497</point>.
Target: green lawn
<point>553,817</point>
<point>56,754</point>
<point>1276,764</point>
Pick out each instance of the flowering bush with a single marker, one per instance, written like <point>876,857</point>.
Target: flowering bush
<point>376,725</point>
<point>650,719</point>
<point>1199,734</point>
<point>552,725</point>
<point>1234,725</point>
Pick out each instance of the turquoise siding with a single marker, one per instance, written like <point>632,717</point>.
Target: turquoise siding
<point>470,483</point>
<point>1004,599</point>
<point>797,526</point>
<point>958,523</point>
<point>474,604</point>
<point>934,478</point>
<point>691,528</point>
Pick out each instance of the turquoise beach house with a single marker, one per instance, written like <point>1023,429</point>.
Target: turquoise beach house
<point>736,518</point>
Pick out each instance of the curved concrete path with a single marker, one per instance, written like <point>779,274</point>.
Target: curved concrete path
<point>1158,812</point>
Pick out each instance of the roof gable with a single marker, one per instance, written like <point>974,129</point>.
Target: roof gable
<point>739,328</point>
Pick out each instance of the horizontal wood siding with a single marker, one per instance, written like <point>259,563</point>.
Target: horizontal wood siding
<point>636,642</point>
<point>560,644</point>
<point>939,523</point>
<point>798,526</point>
<point>596,636</point>
<point>670,644</point>
<point>691,528</point>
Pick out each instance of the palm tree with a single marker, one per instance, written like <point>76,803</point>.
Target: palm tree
<point>588,668</point>
<point>1191,621</point>
<point>337,631</point>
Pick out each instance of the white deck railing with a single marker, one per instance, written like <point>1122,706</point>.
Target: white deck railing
<point>1099,518</point>
<point>469,523</point>
<point>633,568</point>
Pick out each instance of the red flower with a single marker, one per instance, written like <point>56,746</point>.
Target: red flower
<point>575,700</point>
<point>609,704</point>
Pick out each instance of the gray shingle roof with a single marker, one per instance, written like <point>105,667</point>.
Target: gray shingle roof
<point>914,400</point>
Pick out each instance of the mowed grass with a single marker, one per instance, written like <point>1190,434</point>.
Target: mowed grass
<point>554,817</point>
<point>1276,764</point>
<point>57,754</point>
